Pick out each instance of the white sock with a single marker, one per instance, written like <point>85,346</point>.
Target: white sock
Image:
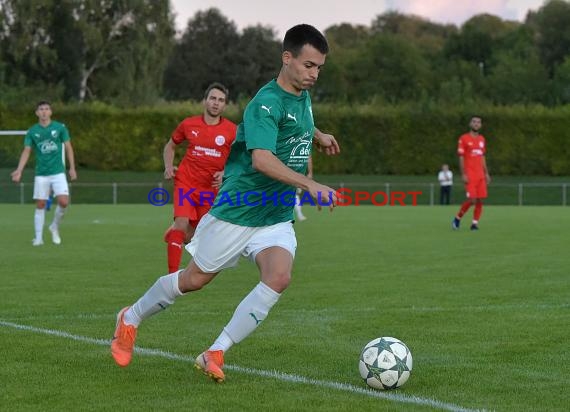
<point>247,316</point>
<point>160,296</point>
<point>39,219</point>
<point>57,216</point>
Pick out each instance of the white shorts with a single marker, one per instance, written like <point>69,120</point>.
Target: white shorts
<point>43,184</point>
<point>218,245</point>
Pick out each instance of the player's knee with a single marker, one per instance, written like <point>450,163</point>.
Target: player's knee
<point>40,204</point>
<point>277,280</point>
<point>192,279</point>
<point>63,202</point>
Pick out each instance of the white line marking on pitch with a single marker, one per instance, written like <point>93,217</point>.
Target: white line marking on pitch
<point>258,372</point>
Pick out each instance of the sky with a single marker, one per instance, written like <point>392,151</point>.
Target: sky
<point>283,14</point>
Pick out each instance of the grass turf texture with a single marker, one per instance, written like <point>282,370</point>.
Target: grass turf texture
<point>485,313</point>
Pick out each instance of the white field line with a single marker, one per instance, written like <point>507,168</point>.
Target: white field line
<point>395,397</point>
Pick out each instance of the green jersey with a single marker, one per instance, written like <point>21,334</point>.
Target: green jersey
<point>47,143</point>
<point>273,120</point>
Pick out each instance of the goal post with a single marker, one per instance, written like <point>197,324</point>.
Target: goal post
<point>13,132</point>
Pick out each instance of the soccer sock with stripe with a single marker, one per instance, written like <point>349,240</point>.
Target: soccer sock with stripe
<point>464,208</point>
<point>39,219</point>
<point>174,244</point>
<point>248,315</point>
<point>160,296</point>
<point>58,216</point>
<point>478,211</point>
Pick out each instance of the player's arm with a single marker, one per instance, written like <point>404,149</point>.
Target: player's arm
<point>485,170</point>
<point>168,157</point>
<point>264,161</point>
<point>71,159</point>
<point>326,142</point>
<point>462,168</point>
<point>24,157</point>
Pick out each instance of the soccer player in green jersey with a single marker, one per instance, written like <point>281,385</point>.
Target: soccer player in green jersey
<point>50,141</point>
<point>252,215</point>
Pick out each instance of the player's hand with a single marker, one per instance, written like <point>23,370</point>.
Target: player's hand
<point>72,174</point>
<point>170,172</point>
<point>327,143</point>
<point>217,182</point>
<point>16,176</point>
<point>465,178</point>
<point>323,195</point>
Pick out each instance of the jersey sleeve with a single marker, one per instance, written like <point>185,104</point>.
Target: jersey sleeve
<point>261,124</point>
<point>64,133</point>
<point>460,147</point>
<point>178,135</point>
<point>28,142</point>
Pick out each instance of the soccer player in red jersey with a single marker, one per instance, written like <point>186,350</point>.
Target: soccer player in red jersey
<point>471,150</point>
<point>199,175</point>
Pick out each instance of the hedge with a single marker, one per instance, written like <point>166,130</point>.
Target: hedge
<point>406,140</point>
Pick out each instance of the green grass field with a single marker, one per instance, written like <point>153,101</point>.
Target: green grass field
<point>486,314</point>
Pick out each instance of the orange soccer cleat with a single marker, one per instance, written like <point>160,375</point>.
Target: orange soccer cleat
<point>211,363</point>
<point>123,341</point>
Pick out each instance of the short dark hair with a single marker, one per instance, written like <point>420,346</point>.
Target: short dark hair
<point>219,86</point>
<point>301,34</point>
<point>476,116</point>
<point>41,103</point>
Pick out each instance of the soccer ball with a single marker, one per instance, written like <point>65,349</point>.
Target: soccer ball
<point>385,363</point>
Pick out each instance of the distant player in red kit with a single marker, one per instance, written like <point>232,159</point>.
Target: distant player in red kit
<point>199,175</point>
<point>471,150</point>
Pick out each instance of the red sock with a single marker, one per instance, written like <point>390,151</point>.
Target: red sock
<point>175,242</point>
<point>478,210</point>
<point>464,208</point>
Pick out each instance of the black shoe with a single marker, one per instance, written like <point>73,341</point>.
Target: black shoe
<point>474,227</point>
<point>455,223</point>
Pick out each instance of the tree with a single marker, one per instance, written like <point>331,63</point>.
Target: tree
<point>26,42</point>
<point>390,67</point>
<point>552,24</point>
<point>257,60</point>
<point>206,53</point>
<point>87,45</point>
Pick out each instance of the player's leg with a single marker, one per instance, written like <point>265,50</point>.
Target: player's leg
<point>273,249</point>
<point>41,193</point>
<point>61,192</point>
<point>186,217</point>
<point>175,238</point>
<point>478,211</point>
<point>157,298</point>
<point>469,190</point>
<point>207,247</point>
<point>49,202</point>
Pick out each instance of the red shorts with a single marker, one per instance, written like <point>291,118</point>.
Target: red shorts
<point>192,203</point>
<point>476,188</point>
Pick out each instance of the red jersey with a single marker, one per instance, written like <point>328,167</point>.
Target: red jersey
<point>207,152</point>
<point>472,149</point>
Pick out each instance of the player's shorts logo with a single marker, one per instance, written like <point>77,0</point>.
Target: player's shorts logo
<point>220,140</point>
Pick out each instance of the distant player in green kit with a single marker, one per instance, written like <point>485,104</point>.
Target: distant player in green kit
<point>252,215</point>
<point>51,142</point>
